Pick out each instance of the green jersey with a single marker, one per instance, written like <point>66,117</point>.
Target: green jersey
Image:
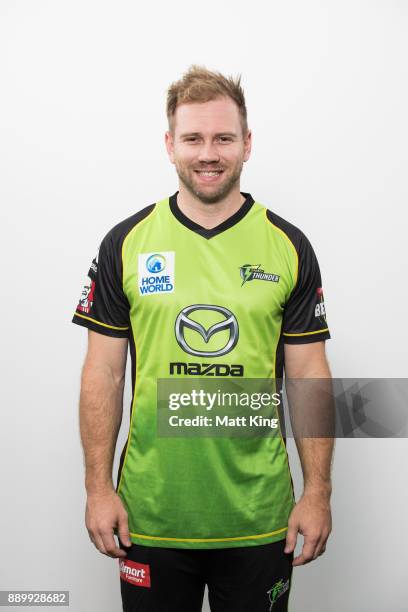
<point>194,303</point>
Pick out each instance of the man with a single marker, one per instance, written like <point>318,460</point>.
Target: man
<point>205,283</point>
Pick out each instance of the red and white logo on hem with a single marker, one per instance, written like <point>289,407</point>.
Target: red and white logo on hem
<point>135,573</point>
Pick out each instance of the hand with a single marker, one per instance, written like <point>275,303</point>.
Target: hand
<point>104,512</point>
<point>312,518</point>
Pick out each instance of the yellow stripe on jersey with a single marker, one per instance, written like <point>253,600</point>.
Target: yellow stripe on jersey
<point>99,322</point>
<point>319,331</point>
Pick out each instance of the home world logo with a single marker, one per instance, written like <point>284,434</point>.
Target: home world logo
<point>156,272</point>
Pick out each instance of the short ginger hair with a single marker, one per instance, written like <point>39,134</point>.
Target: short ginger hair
<point>201,85</point>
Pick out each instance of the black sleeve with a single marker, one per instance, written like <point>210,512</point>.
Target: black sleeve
<point>103,306</point>
<point>304,318</point>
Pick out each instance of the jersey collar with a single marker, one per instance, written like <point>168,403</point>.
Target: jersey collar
<point>203,231</point>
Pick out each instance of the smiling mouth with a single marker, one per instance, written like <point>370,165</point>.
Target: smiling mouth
<point>209,172</point>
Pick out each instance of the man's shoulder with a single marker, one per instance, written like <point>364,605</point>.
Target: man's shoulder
<point>119,231</point>
<point>287,229</point>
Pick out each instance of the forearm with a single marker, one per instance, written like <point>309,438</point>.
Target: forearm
<point>315,401</point>
<point>316,459</point>
<point>311,405</point>
<point>100,415</point>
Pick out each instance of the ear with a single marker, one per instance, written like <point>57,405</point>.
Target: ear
<point>169,141</point>
<point>247,145</point>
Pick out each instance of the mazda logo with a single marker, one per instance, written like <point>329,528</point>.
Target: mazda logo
<point>230,322</point>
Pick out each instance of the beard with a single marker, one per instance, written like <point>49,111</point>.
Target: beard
<point>218,194</point>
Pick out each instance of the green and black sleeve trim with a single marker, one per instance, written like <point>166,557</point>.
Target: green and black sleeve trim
<point>103,306</point>
<point>304,318</point>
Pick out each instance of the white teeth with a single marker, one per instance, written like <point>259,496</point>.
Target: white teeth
<point>209,173</point>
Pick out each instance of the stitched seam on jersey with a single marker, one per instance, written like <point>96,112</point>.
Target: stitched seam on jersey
<point>99,322</point>
<point>319,331</point>
<point>137,360</point>
<point>131,420</point>
<point>290,242</point>
<point>285,450</point>
<point>123,244</point>
<point>261,535</point>
<point>136,226</point>
<point>283,445</point>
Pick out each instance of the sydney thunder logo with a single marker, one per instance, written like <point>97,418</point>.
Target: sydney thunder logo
<point>250,272</point>
<point>278,589</point>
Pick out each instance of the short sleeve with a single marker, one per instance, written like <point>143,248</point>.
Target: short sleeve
<point>103,306</point>
<point>304,317</point>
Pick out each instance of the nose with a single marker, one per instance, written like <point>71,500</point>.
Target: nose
<point>208,153</point>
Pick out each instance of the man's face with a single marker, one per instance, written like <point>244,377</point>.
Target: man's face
<point>208,148</point>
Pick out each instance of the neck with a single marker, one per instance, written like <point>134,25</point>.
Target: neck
<point>209,215</point>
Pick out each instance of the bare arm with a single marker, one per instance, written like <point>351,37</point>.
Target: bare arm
<point>309,361</point>
<point>100,415</point>
<point>311,516</point>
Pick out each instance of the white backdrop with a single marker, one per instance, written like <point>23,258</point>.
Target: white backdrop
<point>82,121</point>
